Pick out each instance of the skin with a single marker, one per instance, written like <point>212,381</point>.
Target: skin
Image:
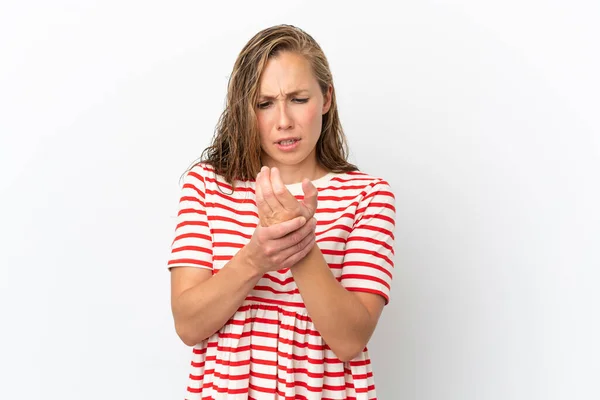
<point>285,237</point>
<point>345,319</point>
<point>282,113</point>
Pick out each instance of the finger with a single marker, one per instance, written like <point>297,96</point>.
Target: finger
<point>293,238</point>
<point>298,256</point>
<point>261,204</point>
<point>311,195</point>
<point>267,190</point>
<point>287,200</point>
<point>278,231</point>
<point>296,248</point>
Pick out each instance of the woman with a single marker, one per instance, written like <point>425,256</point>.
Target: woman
<point>278,278</point>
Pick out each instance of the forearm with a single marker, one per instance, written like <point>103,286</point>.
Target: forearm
<point>338,314</point>
<point>203,309</point>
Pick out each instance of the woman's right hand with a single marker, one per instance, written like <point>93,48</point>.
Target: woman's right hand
<point>281,245</point>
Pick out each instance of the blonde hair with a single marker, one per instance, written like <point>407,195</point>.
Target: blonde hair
<point>235,152</point>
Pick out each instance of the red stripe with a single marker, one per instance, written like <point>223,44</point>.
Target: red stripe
<point>192,248</point>
<point>222,258</point>
<point>336,198</point>
<point>369,252</point>
<point>193,235</point>
<point>339,253</point>
<point>370,240</point>
<point>304,371</point>
<point>194,188</point>
<point>231,232</point>
<point>229,187</point>
<point>228,244</point>
<point>365,278</point>
<point>376,229</point>
<point>191,223</point>
<point>261,389</point>
<point>378,216</point>
<point>238,336</point>
<point>365,290</point>
<point>279,302</point>
<point>348,187</point>
<point>339,209</point>
<point>375,204</point>
<point>198,364</point>
<point>233,221</point>
<point>281,282</point>
<point>340,227</point>
<point>191,211</point>
<point>241,349</point>
<point>290,371</point>
<point>232,210</point>
<point>383,193</point>
<point>360,363</point>
<point>197,176</point>
<point>368,265</point>
<point>275,291</point>
<point>331,239</point>
<point>194,199</point>
<point>281,311</point>
<point>274,322</point>
<point>336,219</point>
<point>187,261</point>
<point>249,200</point>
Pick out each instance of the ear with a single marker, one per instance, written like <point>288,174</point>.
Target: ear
<point>327,100</point>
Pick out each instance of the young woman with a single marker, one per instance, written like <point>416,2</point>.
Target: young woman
<point>282,257</point>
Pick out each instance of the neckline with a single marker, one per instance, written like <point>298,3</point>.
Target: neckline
<point>296,188</point>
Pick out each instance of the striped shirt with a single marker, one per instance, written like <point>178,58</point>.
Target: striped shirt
<point>270,349</point>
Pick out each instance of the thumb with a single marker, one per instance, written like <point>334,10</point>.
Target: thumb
<point>310,195</point>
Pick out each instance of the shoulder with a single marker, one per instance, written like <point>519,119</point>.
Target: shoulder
<point>204,173</point>
<point>216,186</point>
<point>363,184</point>
<point>199,170</point>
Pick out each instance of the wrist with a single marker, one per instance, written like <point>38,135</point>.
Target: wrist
<point>248,263</point>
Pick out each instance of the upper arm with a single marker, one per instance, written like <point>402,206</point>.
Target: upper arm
<point>374,304</point>
<point>191,259</point>
<point>368,263</point>
<point>184,278</point>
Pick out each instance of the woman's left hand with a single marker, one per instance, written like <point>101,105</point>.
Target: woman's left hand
<point>275,202</point>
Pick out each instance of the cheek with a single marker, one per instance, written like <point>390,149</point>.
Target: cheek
<point>311,114</point>
<point>263,127</point>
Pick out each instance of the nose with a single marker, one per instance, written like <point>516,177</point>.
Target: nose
<point>285,120</point>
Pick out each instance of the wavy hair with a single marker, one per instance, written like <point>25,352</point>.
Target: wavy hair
<point>235,151</point>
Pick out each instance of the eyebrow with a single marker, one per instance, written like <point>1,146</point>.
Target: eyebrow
<point>294,93</point>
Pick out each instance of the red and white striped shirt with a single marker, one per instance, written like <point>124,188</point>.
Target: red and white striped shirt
<point>270,349</point>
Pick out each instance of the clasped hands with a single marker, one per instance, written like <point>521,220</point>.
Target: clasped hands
<point>286,230</point>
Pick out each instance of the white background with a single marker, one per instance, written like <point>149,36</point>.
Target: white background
<point>483,116</point>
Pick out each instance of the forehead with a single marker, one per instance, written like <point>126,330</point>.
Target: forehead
<point>287,73</point>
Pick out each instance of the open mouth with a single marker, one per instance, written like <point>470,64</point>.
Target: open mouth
<point>288,142</point>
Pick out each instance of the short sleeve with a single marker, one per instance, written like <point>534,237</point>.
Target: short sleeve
<point>368,256</point>
<point>192,245</point>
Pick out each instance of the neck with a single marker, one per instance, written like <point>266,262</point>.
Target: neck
<point>291,174</point>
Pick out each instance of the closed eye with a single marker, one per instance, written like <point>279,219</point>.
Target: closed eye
<point>266,104</point>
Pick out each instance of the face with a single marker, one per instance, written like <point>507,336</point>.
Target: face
<point>290,107</point>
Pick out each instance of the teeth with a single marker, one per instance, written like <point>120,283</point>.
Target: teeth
<point>287,142</point>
